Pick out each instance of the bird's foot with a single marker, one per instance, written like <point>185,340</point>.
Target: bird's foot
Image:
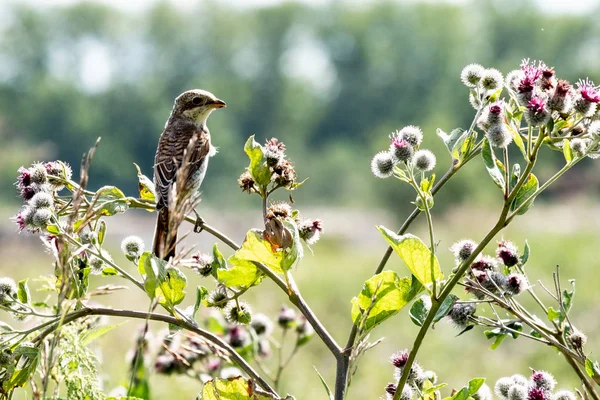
<point>198,225</point>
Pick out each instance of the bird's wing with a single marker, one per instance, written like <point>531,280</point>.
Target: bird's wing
<point>169,157</point>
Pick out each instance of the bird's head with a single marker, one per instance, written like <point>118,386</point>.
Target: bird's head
<point>196,104</point>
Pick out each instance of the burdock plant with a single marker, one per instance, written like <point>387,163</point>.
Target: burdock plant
<point>235,353</point>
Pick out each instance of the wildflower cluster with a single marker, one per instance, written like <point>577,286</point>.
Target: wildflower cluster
<point>404,150</point>
<point>539,386</point>
<point>418,378</point>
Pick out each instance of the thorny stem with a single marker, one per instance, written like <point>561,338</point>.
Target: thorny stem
<point>502,222</point>
<point>84,312</point>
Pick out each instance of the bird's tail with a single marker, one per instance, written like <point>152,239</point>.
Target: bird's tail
<point>164,240</point>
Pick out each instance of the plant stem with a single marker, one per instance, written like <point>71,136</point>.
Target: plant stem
<point>239,360</point>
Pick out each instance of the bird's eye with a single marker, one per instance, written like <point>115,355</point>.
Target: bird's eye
<point>196,101</point>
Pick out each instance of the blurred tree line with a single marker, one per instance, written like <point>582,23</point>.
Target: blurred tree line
<point>331,81</point>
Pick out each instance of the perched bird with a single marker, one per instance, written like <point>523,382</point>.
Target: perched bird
<point>187,122</point>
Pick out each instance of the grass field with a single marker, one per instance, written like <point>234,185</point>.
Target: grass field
<point>564,234</point>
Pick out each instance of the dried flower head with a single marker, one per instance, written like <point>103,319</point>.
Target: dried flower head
<point>471,75</point>
<point>279,209</point>
<point>424,160</point>
<point>246,182</point>
<point>310,230</point>
<point>577,339</point>
<point>382,165</point>
<point>285,174</point>
<point>274,152</point>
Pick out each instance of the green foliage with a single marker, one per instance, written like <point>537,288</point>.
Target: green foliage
<point>492,164</point>
<point>111,201</point>
<point>530,186</point>
<point>469,390</point>
<point>162,282</point>
<point>259,170</point>
<point>231,389</point>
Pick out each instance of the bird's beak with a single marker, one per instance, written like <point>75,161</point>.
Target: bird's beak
<point>219,103</point>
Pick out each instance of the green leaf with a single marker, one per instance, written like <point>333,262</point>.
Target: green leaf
<point>329,392</point>
<point>525,256</point>
<point>28,357</point>
<point>419,310</point>
<point>4,327</point>
<point>101,232</point>
<point>383,295</point>
<point>518,141</point>
<point>530,186</point>
<point>109,271</point>
<point>23,292</point>
<point>242,273</point>
<point>489,159</point>
<point>145,186</point>
<point>237,388</point>
<point>148,266</point>
<point>593,370</point>
<point>415,254</point>
<point>165,283</point>
<point>218,260</point>
<point>475,384</point>
<point>95,333</point>
<point>258,168</point>
<point>454,141</point>
<point>567,151</point>
<point>201,293</point>
<point>445,307</point>
<point>111,201</point>
<point>53,229</point>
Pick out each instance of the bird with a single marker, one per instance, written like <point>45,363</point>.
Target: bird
<point>186,123</point>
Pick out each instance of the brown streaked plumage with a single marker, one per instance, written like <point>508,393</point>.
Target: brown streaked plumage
<point>187,119</point>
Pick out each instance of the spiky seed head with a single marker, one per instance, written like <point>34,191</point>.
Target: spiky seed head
<point>471,75</point>
<point>564,395</point>
<point>460,313</point>
<point>238,313</point>
<point>262,325</point>
<point>484,393</point>
<point>382,164</point>
<point>218,297</point>
<point>42,200</point>
<point>412,134</point>
<point>96,264</point>
<point>401,149</point>
<point>463,249</point>
<point>594,128</point>
<point>285,174</point>
<point>508,253</point>
<point>577,339</point>
<point>491,79</point>
<point>512,80</point>
<point>41,217</point>
<point>424,160</point>
<point>38,174</point>
<point>203,263</point>
<point>519,379</point>
<point>274,152</point>
<point>246,182</point>
<point>543,380</point>
<point>8,290</point>
<point>516,284</point>
<point>310,230</point>
<point>517,392</point>
<point>279,209</point>
<point>579,146</point>
<point>399,358</point>
<point>502,387</point>
<point>499,136</point>
<point>286,318</point>
<point>132,247</point>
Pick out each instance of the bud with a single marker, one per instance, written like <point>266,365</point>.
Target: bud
<point>38,174</point>
<point>495,113</point>
<point>587,98</point>
<point>262,325</point>
<point>399,358</point>
<point>562,98</point>
<point>218,297</point>
<point>548,79</point>
<point>579,146</point>
<point>513,78</point>
<point>471,75</point>
<point>428,200</point>
<point>238,336</point>
<point>24,219</point>
<point>203,264</point>
<point>543,380</point>
<point>491,80</point>
<point>564,395</point>
<point>424,160</point>
<point>517,392</point>
<point>508,253</point>
<point>499,136</point>
<point>520,380</point>
<point>279,209</point>
<point>8,291</point>
<point>286,318</point>
<point>132,247</point>
<point>502,387</point>
<point>246,182</point>
<point>412,134</point>
<point>460,314</point>
<point>577,339</point>
<point>304,330</point>
<point>537,394</point>
<point>390,389</point>
<point>382,165</point>
<point>484,393</point>
<point>41,217</point>
<point>310,230</point>
<point>516,284</point>
<point>42,200</point>
<point>401,150</point>
<point>463,250</point>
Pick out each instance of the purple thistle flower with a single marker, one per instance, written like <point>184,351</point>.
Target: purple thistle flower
<point>24,178</point>
<point>588,91</point>
<point>390,389</point>
<point>537,105</point>
<point>399,358</point>
<point>536,394</point>
<point>532,73</point>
